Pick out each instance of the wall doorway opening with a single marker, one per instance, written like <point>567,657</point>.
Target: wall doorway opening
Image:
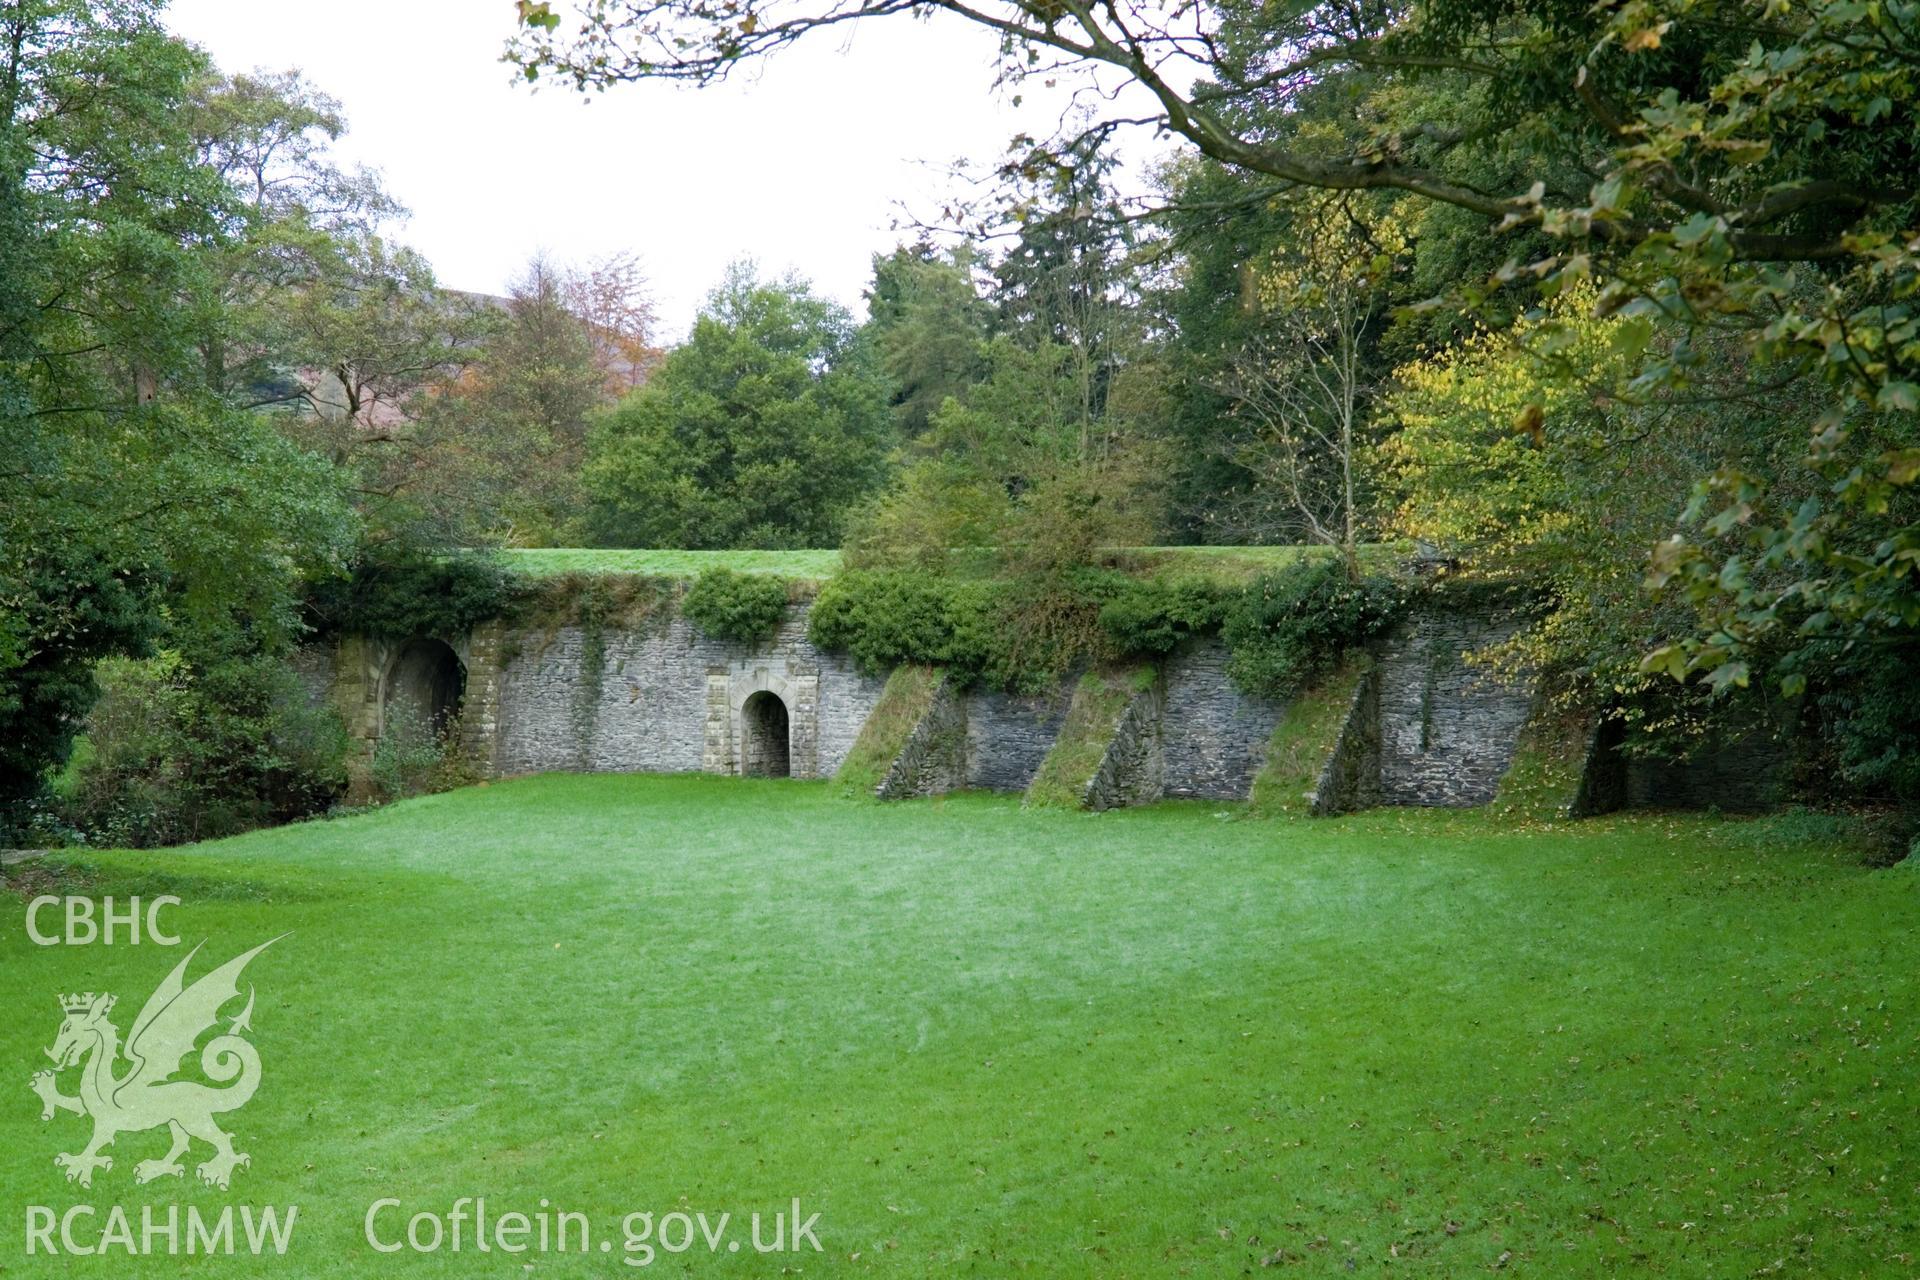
<point>765,751</point>
<point>426,686</point>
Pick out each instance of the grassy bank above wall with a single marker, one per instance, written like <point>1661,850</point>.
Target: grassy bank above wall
<point>550,561</point>
<point>1226,564</point>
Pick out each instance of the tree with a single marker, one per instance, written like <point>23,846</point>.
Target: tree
<point>1717,166</point>
<point>1301,390</point>
<point>761,431</point>
<point>372,345</point>
<point>510,437</point>
<point>1016,470</point>
<point>1064,281</point>
<point>1518,455</point>
<point>610,295</point>
<point>293,210</point>
<point>318,315</point>
<point>1048,456</point>
<point>926,320</point>
<point>134,496</point>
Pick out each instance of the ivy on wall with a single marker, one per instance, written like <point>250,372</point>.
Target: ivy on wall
<point>592,607</point>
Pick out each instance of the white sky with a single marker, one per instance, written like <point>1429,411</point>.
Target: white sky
<point>803,164</point>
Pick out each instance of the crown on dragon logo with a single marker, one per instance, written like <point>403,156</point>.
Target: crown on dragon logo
<point>83,1002</point>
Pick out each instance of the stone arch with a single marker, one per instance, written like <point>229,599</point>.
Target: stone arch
<point>766,742</point>
<point>426,684</point>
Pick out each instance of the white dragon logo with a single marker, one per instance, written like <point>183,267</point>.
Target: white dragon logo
<point>146,1096</point>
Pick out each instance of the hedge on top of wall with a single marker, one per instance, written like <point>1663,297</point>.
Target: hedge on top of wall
<point>399,592</point>
<point>1284,628</point>
<point>1291,627</point>
<point>746,607</point>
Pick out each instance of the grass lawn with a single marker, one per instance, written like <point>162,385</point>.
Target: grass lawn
<point>545,561</point>
<point>1228,564</point>
<point>985,1040</point>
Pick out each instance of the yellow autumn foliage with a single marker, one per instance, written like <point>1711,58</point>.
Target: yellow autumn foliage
<point>1479,462</point>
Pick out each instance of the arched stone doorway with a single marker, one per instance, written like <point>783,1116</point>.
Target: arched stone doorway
<point>765,750</point>
<point>425,685</point>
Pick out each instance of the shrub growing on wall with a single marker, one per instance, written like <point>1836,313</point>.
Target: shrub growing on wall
<point>1290,627</point>
<point>1148,617</point>
<point>1017,633</point>
<point>414,759</point>
<point>885,619</point>
<point>726,605</point>
<point>412,591</point>
<point>1021,634</point>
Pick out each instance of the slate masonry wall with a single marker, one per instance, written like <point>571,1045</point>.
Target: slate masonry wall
<point>1426,727</point>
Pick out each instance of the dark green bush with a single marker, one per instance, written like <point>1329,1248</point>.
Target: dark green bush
<point>1290,627</point>
<point>56,621</point>
<point>883,619</point>
<point>1046,625</point>
<point>1019,633</point>
<point>1869,711</point>
<point>178,751</point>
<point>1148,617</point>
<point>411,591</point>
<point>746,607</point>
<point>1023,633</point>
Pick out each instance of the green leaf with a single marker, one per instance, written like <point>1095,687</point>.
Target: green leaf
<point>1631,336</point>
<point>1903,466</point>
<point>1670,658</point>
<point>1697,230</point>
<point>1901,396</point>
<point>1733,674</point>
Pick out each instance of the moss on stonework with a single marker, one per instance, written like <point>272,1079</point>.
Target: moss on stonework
<point>1305,739</point>
<point>1099,700</point>
<point>904,702</point>
<point>620,601</point>
<point>596,603</point>
<point>1544,779</point>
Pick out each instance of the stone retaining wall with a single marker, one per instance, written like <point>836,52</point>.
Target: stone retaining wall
<point>934,759</point>
<point>1008,735</point>
<point>1214,737</point>
<point>1741,767</point>
<point>1448,728</point>
<point>1425,727</point>
<point>657,697</point>
<point>1134,768</point>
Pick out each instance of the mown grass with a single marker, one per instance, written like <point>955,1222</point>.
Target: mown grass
<point>1232,566</point>
<point>987,1040</point>
<point>1224,564</point>
<point>547,561</point>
